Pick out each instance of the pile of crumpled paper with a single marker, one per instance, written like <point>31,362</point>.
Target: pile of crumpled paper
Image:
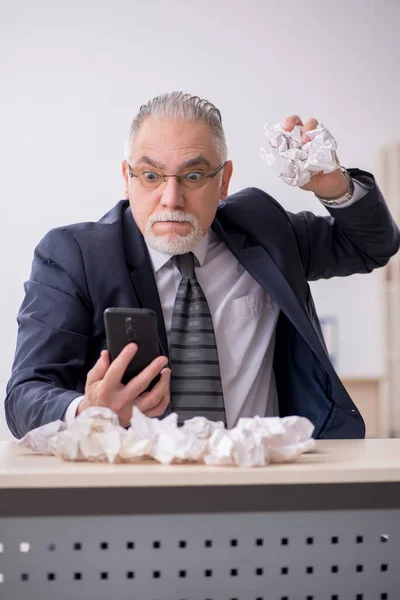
<point>95,435</point>
<point>294,162</point>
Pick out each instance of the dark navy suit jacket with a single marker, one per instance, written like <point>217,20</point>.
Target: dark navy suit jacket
<point>80,270</point>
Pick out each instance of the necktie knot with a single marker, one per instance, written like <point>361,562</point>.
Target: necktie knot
<point>185,264</point>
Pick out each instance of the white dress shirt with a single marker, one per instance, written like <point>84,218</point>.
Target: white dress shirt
<point>244,318</point>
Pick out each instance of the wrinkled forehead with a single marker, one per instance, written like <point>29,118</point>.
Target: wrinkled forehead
<point>174,140</point>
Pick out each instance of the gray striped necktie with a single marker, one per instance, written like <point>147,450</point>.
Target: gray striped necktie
<point>196,388</point>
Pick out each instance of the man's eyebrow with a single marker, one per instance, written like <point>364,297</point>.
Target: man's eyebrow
<point>150,161</point>
<point>196,160</point>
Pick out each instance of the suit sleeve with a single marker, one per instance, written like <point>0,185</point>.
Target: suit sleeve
<point>355,239</point>
<point>54,326</point>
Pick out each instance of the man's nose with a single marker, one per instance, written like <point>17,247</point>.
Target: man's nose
<point>172,196</point>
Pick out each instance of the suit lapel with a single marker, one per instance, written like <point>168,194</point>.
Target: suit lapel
<point>142,275</point>
<point>259,263</point>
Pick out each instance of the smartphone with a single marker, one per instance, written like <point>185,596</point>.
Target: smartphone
<point>139,325</point>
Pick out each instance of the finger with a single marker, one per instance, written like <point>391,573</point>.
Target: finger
<point>100,368</point>
<point>151,401</point>
<point>118,366</point>
<point>161,408</point>
<point>308,126</point>
<point>141,382</point>
<point>157,405</point>
<point>291,122</point>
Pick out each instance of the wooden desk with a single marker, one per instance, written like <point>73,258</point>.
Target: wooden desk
<point>325,527</point>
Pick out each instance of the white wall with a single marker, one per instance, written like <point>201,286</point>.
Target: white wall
<point>74,73</point>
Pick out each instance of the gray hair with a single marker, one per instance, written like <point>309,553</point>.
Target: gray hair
<point>181,106</point>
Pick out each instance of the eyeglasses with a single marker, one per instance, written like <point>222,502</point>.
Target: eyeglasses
<point>192,179</point>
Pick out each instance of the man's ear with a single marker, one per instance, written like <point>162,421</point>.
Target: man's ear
<point>125,175</point>
<point>226,177</point>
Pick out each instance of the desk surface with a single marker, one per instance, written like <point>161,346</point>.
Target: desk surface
<point>332,461</point>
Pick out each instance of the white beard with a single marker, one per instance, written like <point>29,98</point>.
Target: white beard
<point>173,243</point>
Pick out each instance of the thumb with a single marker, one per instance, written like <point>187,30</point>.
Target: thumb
<point>100,368</point>
<point>309,125</point>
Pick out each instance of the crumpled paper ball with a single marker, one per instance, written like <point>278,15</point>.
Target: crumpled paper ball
<point>294,162</point>
<point>95,435</point>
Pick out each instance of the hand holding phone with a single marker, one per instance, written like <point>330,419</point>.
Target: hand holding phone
<point>122,383</point>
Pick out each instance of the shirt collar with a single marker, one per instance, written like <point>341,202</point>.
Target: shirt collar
<point>159,259</point>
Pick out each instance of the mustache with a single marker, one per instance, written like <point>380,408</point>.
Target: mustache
<point>173,215</point>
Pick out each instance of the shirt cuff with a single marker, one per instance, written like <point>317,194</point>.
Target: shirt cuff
<point>70,413</point>
<point>359,192</point>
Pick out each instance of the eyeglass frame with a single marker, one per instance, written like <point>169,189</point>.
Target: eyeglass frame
<point>178,176</point>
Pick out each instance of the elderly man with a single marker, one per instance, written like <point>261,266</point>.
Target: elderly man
<point>227,272</point>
